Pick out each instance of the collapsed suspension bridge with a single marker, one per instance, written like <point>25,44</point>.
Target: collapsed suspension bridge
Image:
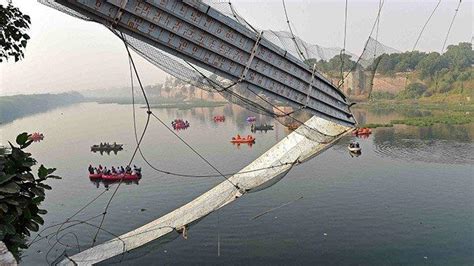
<point>190,39</point>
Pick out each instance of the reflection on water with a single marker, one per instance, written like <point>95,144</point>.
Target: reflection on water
<point>437,144</point>
<point>107,183</point>
<point>448,144</point>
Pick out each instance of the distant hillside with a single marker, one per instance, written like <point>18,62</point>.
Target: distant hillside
<point>13,107</point>
<point>407,75</point>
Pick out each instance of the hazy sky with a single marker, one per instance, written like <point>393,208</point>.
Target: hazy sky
<point>66,53</point>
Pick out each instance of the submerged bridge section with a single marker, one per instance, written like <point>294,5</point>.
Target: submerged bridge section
<point>199,34</point>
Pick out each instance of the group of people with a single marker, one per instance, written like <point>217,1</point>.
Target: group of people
<point>115,170</point>
<point>354,145</point>
<point>238,137</point>
<point>106,144</point>
<point>180,124</point>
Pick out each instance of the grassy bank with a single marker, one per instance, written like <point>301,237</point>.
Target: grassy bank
<point>422,113</point>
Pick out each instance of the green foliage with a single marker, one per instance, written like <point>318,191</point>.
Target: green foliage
<point>21,193</point>
<point>375,125</point>
<point>413,91</point>
<point>449,119</point>
<point>12,107</point>
<point>333,66</point>
<point>382,95</point>
<point>13,37</point>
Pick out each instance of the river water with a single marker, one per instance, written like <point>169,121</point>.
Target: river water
<point>408,199</point>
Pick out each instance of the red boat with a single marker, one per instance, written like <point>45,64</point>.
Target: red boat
<point>117,177</point>
<point>238,139</point>
<point>219,118</point>
<point>362,131</point>
<point>95,176</point>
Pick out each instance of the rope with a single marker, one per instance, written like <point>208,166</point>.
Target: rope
<point>300,53</point>
<point>366,43</point>
<point>450,25</point>
<point>421,33</point>
<point>343,51</point>
<point>138,144</point>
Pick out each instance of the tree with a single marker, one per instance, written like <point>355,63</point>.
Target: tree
<point>460,56</point>
<point>13,37</point>
<point>413,91</point>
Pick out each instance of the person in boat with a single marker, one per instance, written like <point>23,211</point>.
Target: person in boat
<point>114,171</point>
<point>357,145</point>
<point>128,170</point>
<point>137,170</point>
<point>91,169</point>
<point>105,170</point>
<point>238,136</point>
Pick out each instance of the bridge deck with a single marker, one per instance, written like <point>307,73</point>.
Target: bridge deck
<point>199,34</point>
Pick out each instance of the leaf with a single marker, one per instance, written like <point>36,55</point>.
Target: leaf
<point>37,191</point>
<point>38,219</point>
<point>37,200</point>
<point>42,172</point>
<point>10,188</point>
<point>9,218</point>
<point>44,186</point>
<point>9,229</point>
<point>19,210</point>
<point>27,177</point>
<point>5,178</point>
<point>54,177</point>
<point>22,138</point>
<point>4,207</point>
<point>28,143</point>
<point>33,226</point>
<point>11,202</point>
<point>51,170</point>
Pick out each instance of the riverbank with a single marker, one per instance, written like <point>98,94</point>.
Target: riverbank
<point>419,112</point>
<point>17,106</point>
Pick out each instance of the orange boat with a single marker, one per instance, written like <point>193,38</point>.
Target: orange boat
<point>292,126</point>
<point>362,131</point>
<point>239,139</point>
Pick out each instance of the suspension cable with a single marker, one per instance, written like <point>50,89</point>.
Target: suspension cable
<point>343,51</point>
<point>450,25</point>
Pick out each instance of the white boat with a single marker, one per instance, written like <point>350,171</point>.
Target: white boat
<point>354,149</point>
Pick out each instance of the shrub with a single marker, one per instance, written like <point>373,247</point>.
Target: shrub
<point>21,193</point>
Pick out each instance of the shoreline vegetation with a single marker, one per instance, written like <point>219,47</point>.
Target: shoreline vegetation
<point>18,106</point>
<point>420,113</point>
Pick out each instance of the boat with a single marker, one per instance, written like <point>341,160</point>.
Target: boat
<point>219,118</point>
<point>95,176</point>
<point>292,126</point>
<point>354,147</point>
<point>179,124</point>
<point>107,147</point>
<point>238,139</point>
<point>362,131</point>
<point>263,127</point>
<point>251,119</point>
<point>117,177</point>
